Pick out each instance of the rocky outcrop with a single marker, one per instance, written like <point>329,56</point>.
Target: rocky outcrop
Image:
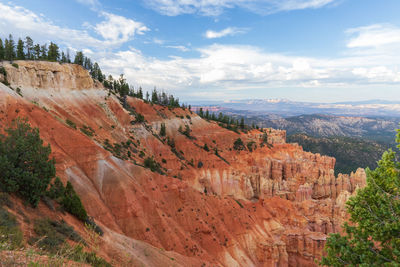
<point>273,206</point>
<point>48,75</point>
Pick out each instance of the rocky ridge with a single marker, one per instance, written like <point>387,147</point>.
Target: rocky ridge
<point>273,206</point>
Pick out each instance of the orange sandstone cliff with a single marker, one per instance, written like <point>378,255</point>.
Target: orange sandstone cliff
<point>273,206</point>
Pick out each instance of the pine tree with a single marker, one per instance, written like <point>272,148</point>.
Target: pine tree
<point>163,130</point>
<point>242,123</point>
<point>1,50</point>
<point>36,52</point>
<point>20,50</point>
<point>68,57</point>
<point>9,53</point>
<point>63,57</point>
<point>154,96</point>
<point>373,237</point>
<point>54,53</point>
<point>140,93</point>
<point>29,47</point>
<point>79,58</point>
<point>43,52</point>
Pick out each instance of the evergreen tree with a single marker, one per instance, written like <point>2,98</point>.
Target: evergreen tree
<point>373,237</point>
<point>242,123</point>
<point>54,53</point>
<point>79,58</point>
<point>154,96</point>
<point>163,130</point>
<point>201,113</point>
<point>63,57</point>
<point>43,52</point>
<point>36,52</point>
<point>9,53</point>
<point>20,50</point>
<point>140,93</point>
<point>29,47</point>
<point>147,96</point>
<point>25,166</point>
<point>1,50</point>
<point>68,57</point>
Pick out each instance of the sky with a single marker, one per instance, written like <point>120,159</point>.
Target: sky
<point>302,50</point>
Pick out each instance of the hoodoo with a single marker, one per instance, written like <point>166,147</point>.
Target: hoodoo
<point>165,200</point>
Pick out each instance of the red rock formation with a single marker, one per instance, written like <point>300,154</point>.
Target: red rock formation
<point>270,207</point>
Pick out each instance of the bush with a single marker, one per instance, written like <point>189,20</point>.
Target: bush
<point>10,234</point>
<point>163,131</point>
<point>67,198</point>
<point>153,165</point>
<point>72,203</point>
<point>251,146</point>
<point>50,235</point>
<point>205,147</point>
<point>15,65</point>
<point>238,145</point>
<point>71,123</point>
<point>87,130</point>
<point>24,162</point>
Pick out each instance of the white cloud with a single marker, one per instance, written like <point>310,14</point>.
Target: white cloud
<point>220,70</point>
<point>375,35</point>
<point>230,31</point>
<point>21,22</point>
<point>118,29</point>
<point>178,47</point>
<point>216,7</point>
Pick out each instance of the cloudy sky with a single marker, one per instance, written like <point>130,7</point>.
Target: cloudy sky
<point>308,50</point>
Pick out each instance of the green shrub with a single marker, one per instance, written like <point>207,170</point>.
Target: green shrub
<point>50,234</point>
<point>3,71</point>
<point>205,147</point>
<point>87,130</point>
<point>238,144</point>
<point>153,165</point>
<point>71,123</point>
<point>251,146</point>
<point>67,198</point>
<point>72,203</point>
<point>25,166</point>
<point>10,235</point>
<point>163,130</point>
<point>15,65</point>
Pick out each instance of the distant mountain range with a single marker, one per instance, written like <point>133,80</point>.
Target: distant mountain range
<point>287,108</point>
<point>355,133</point>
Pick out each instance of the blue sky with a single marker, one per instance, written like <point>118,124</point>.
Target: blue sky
<point>308,50</point>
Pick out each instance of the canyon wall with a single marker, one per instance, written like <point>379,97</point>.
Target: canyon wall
<point>271,206</point>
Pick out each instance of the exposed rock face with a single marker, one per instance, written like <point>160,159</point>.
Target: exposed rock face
<point>48,75</point>
<point>270,207</point>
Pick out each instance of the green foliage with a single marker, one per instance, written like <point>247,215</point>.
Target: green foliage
<point>71,123</point>
<point>205,147</point>
<point>238,145</point>
<point>51,235</point>
<point>87,130</point>
<point>15,65</point>
<point>11,236</point>
<point>251,146</point>
<point>139,118</point>
<point>350,153</point>
<point>153,165</point>
<point>24,162</point>
<point>163,131</point>
<point>72,203</point>
<point>373,237</point>
<point>67,198</point>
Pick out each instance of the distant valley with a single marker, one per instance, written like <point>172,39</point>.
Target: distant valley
<point>355,133</point>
